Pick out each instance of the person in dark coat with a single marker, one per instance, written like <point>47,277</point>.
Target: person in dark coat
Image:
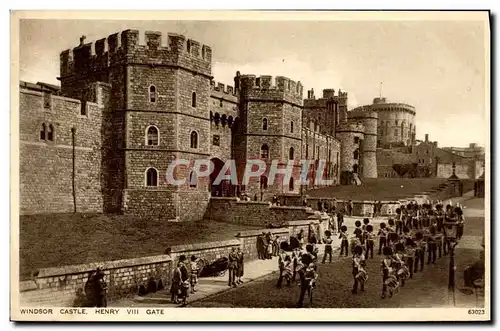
<point>180,282</point>
<point>232,267</point>
<point>261,247</point>
<point>241,265</point>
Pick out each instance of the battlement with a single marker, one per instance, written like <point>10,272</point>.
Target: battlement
<point>266,88</point>
<point>220,87</point>
<point>124,48</point>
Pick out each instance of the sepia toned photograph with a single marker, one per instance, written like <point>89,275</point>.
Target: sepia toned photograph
<point>203,166</point>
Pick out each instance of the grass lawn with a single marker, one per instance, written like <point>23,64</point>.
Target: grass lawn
<point>65,239</point>
<point>380,189</point>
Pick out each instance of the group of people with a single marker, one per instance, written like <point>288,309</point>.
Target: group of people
<point>267,246</point>
<point>417,230</point>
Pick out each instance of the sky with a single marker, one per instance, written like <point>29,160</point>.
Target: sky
<point>436,66</point>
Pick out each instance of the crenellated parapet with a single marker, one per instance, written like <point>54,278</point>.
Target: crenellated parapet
<point>124,48</point>
<point>266,88</point>
<point>328,96</point>
<point>222,91</point>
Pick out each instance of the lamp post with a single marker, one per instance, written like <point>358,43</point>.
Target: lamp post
<point>450,232</point>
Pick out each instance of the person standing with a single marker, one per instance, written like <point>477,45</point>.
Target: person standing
<point>340,219</point>
<point>240,265</point>
<point>194,273</point>
<point>419,251</point>
<point>232,266</point>
<point>306,260</point>
<point>382,234</point>
<point>369,241</point>
<point>328,246</point>
<point>350,207</point>
<point>100,289</point>
<point>344,243</point>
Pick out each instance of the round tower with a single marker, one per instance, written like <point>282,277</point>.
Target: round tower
<point>369,119</point>
<point>350,134</point>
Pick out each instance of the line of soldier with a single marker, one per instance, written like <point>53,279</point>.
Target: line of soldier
<point>418,229</point>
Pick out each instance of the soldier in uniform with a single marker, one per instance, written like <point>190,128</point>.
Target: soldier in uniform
<point>358,269</point>
<point>419,251</point>
<point>305,260</point>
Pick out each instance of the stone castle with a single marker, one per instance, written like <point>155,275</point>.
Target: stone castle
<point>102,141</point>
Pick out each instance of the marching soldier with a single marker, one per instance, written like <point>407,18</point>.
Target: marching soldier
<point>358,269</point>
<point>344,244</point>
<point>369,240</point>
<point>328,246</point>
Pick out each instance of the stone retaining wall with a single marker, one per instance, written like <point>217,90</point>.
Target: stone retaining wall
<point>64,286</point>
<point>260,213</point>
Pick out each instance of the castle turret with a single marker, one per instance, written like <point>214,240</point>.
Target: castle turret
<point>369,119</point>
<point>350,134</point>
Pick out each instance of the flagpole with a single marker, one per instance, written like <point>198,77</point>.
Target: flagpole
<point>380,90</point>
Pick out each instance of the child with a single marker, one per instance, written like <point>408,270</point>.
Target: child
<point>382,233</point>
<point>369,241</point>
<point>344,244</point>
<point>194,273</point>
<point>328,246</point>
<point>358,270</point>
<point>419,251</point>
<point>389,280</point>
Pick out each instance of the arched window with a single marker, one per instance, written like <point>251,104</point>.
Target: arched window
<point>290,153</point>
<point>355,168</point>
<point>193,99</point>
<point>263,182</point>
<point>264,124</point>
<point>194,139</point>
<point>264,151</point>
<point>290,184</point>
<point>151,177</point>
<point>43,132</point>
<point>50,134</point>
<point>291,126</point>
<point>356,154</point>
<point>152,136</point>
<point>193,179</point>
<point>152,93</point>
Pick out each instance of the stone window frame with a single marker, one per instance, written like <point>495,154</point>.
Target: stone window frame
<point>51,132</point>
<point>291,126</point>
<point>265,124</point>
<point>146,177</point>
<point>193,99</point>
<point>264,181</point>
<point>146,139</point>
<point>355,154</point>
<point>155,92</point>
<point>197,142</point>
<point>291,153</point>
<point>262,149</point>
<point>191,174</point>
<point>43,132</point>
<point>216,140</point>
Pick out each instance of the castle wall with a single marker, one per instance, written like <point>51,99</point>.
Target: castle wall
<point>46,166</point>
<point>346,133</point>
